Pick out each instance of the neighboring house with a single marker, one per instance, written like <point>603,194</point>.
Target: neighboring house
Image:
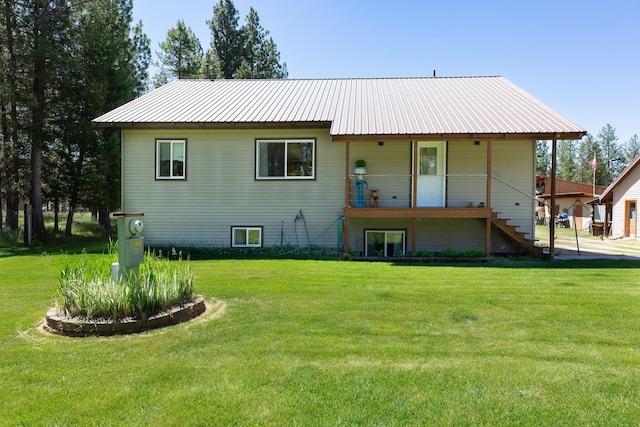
<point>619,203</point>
<point>572,198</point>
<point>264,162</point>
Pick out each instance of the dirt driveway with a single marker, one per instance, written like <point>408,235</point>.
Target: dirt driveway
<point>588,246</point>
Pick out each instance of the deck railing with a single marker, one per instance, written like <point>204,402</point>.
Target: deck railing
<point>457,191</point>
<point>397,191</point>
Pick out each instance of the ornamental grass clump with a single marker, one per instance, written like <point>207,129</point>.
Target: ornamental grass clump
<point>86,288</point>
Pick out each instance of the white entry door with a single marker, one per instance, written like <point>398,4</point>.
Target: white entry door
<point>431,174</point>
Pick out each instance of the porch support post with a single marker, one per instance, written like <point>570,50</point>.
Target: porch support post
<point>487,249</point>
<point>414,176</point>
<point>414,196</point>
<point>552,222</point>
<point>414,234</point>
<point>346,199</point>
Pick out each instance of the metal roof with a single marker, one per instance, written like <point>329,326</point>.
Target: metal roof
<point>352,108</point>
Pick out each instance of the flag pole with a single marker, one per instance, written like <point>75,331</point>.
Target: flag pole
<point>594,175</point>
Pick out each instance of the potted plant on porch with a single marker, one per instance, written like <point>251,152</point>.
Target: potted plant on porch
<point>361,167</point>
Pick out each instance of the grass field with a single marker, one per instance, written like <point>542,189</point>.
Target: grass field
<point>339,343</point>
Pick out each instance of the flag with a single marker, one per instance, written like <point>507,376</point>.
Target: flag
<point>593,163</point>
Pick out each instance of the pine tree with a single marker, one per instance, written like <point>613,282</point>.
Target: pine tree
<point>47,26</point>
<point>612,157</point>
<point>261,59</point>
<point>543,159</point>
<point>227,41</point>
<point>140,44</point>
<point>180,55</point>
<point>10,91</point>
<point>567,167</point>
<point>245,53</point>
<point>631,149</point>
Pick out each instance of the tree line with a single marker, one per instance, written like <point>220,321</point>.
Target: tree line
<point>575,158</point>
<point>65,63</point>
<point>235,52</point>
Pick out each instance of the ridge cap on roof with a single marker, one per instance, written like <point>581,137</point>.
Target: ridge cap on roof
<point>303,79</point>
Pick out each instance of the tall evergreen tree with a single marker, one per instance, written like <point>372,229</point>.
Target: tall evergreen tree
<point>246,52</point>
<point>588,150</point>
<point>612,157</point>
<point>543,159</point>
<point>631,149</point>
<point>227,42</point>
<point>141,46</point>
<point>47,24</point>
<point>10,91</point>
<point>180,55</point>
<point>65,63</point>
<point>567,167</point>
<point>109,69</point>
<point>261,59</point>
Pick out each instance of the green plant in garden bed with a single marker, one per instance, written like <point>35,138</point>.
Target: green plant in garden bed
<point>87,289</point>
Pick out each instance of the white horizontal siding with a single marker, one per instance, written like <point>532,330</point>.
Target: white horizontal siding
<point>432,235</point>
<point>467,170</point>
<point>388,170</point>
<point>514,163</point>
<point>627,189</point>
<point>221,191</point>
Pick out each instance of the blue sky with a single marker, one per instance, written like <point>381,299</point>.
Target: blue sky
<point>581,58</point>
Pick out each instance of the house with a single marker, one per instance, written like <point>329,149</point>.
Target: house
<point>618,203</point>
<point>238,163</point>
<point>572,198</point>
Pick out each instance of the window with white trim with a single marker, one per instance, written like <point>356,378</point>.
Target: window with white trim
<point>171,158</point>
<point>285,159</point>
<point>385,243</point>
<point>246,237</point>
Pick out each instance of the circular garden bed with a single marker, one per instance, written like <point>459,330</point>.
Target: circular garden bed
<point>80,326</point>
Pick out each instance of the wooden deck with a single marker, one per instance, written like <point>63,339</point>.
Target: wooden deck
<point>351,212</point>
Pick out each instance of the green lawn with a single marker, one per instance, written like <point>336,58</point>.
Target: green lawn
<point>339,343</point>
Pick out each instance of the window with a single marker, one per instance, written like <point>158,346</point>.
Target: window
<point>285,159</point>
<point>384,242</point>
<point>170,158</point>
<point>246,237</point>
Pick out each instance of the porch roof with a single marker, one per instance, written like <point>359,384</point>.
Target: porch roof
<point>372,108</point>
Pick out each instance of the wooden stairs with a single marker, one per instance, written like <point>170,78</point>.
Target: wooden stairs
<point>527,245</point>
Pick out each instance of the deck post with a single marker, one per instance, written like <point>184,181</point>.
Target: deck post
<point>414,176</point>
<point>414,234</point>
<point>488,197</point>
<point>347,186</point>
<point>414,196</point>
<point>552,222</point>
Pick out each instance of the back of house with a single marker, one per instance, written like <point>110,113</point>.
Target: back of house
<point>449,163</point>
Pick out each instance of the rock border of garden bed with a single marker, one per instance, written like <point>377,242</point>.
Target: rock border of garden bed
<point>80,327</point>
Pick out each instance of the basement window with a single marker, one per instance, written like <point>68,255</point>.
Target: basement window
<point>385,243</point>
<point>246,237</point>
<point>171,158</point>
<point>285,159</point>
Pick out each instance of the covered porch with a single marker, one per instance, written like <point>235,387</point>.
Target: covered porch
<point>420,187</point>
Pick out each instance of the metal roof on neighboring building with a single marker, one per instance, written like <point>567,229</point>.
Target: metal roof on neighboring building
<point>352,108</point>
